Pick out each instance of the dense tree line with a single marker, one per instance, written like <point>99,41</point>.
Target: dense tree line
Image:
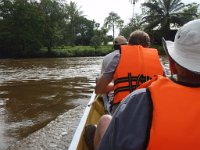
<point>28,25</point>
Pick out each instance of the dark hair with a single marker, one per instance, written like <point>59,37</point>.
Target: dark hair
<point>189,76</point>
<point>139,38</point>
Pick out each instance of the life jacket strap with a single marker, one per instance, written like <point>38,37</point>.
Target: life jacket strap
<point>130,79</point>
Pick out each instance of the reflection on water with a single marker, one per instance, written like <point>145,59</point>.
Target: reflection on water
<point>35,91</point>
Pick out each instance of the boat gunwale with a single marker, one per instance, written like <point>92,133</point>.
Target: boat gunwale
<point>77,135</point>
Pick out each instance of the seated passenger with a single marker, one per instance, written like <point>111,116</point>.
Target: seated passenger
<point>135,64</point>
<point>129,67</point>
<point>109,96</point>
<point>165,114</point>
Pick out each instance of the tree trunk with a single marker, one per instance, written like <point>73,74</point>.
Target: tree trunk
<point>113,31</point>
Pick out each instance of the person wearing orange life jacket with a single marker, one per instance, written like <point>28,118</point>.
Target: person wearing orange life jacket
<point>108,97</point>
<point>164,112</point>
<point>133,63</point>
<point>135,67</point>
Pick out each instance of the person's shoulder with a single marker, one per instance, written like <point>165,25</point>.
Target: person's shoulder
<point>137,95</point>
<point>112,54</point>
<point>111,57</point>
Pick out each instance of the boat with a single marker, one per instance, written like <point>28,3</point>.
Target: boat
<point>93,111</point>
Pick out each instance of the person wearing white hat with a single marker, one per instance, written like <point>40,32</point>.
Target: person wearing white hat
<point>164,113</point>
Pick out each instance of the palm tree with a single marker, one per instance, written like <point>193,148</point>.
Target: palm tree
<point>133,2</point>
<point>112,21</point>
<point>162,14</point>
<point>73,11</point>
<point>73,14</point>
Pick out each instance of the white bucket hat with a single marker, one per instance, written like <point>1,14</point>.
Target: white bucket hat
<point>185,49</point>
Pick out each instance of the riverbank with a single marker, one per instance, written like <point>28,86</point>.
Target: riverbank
<point>71,51</point>
<point>56,135</point>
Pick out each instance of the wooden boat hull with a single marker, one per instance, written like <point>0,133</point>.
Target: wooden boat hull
<point>92,114</point>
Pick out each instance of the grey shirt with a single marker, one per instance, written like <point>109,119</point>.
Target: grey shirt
<point>130,125</point>
<point>108,68</point>
<point>110,63</point>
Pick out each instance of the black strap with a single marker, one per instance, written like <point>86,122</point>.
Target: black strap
<point>141,77</point>
<point>131,87</point>
<point>124,88</point>
<point>130,82</point>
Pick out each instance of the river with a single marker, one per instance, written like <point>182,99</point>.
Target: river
<point>34,92</point>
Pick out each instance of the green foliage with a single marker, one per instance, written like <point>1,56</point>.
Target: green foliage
<point>84,32</point>
<point>162,14</point>
<point>40,28</point>
<point>78,30</point>
<point>81,51</point>
<point>95,41</point>
<point>73,16</point>
<point>26,26</point>
<point>134,24</point>
<point>190,12</point>
<point>20,28</point>
<point>99,38</point>
<point>53,18</point>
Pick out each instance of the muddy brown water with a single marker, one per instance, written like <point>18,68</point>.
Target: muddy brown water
<point>34,92</point>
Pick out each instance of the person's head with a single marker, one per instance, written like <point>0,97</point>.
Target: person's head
<point>120,40</point>
<point>184,52</point>
<point>139,38</point>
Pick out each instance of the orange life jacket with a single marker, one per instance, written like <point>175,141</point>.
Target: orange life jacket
<point>176,116</point>
<point>136,65</point>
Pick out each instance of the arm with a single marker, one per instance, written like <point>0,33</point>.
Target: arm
<point>104,84</point>
<point>130,126</point>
